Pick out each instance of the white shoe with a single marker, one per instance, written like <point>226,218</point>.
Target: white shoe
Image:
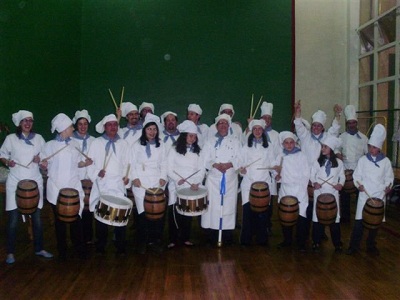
<point>44,254</point>
<point>10,259</point>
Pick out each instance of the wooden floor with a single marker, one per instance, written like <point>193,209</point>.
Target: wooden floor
<point>205,272</point>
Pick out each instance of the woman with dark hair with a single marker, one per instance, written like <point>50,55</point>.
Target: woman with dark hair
<point>184,159</point>
<point>81,123</point>
<point>149,170</point>
<point>20,152</point>
<point>327,176</point>
<point>256,155</point>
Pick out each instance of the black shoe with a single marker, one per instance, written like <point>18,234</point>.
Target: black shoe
<point>284,245</point>
<point>373,251</point>
<point>157,248</point>
<point>315,247</point>
<point>351,251</point>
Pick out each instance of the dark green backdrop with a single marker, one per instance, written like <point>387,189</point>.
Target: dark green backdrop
<point>60,56</point>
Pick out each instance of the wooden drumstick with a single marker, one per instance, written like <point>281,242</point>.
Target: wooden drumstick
<point>122,96</point>
<point>258,105</point>
<point>21,165</point>
<point>81,152</point>
<point>182,178</point>
<point>55,153</point>
<point>192,174</point>
<point>326,181</point>
<point>365,191</point>
<point>148,190</point>
<point>128,169</point>
<point>32,160</point>
<point>251,106</point>
<point>249,165</point>
<point>112,97</point>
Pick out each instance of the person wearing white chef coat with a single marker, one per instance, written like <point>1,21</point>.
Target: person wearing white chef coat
<point>373,177</point>
<point>81,122</point>
<point>257,155</point>
<point>293,176</point>
<point>63,172</point>
<point>149,170</point>
<point>18,150</point>
<point>184,159</point>
<point>222,159</point>
<point>109,176</point>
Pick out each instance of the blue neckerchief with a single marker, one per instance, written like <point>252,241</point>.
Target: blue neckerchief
<point>198,128</point>
<point>379,157</point>
<point>60,139</point>
<point>134,129</point>
<point>318,139</point>
<point>148,149</point>
<point>219,140</point>
<point>170,135</point>
<point>230,130</point>
<point>84,139</point>
<point>257,141</point>
<point>111,142</point>
<point>295,150</point>
<point>27,139</point>
<point>328,166</point>
<point>354,132</point>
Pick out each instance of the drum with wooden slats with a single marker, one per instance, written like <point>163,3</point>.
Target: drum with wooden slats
<point>326,209</point>
<point>288,210</point>
<point>154,203</point>
<point>27,196</point>
<point>259,196</point>
<point>373,213</point>
<point>68,205</point>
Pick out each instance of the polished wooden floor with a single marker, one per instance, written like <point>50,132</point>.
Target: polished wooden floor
<point>205,272</point>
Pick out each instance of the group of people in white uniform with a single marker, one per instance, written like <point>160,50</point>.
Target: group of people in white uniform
<point>212,164</point>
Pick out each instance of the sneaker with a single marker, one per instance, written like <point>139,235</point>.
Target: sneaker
<point>10,259</point>
<point>171,245</point>
<point>44,254</point>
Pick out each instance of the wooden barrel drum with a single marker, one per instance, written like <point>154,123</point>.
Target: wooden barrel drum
<point>349,186</point>
<point>68,205</point>
<point>27,196</point>
<point>373,212</point>
<point>326,209</point>
<point>259,196</point>
<point>288,210</point>
<point>87,188</point>
<point>154,203</point>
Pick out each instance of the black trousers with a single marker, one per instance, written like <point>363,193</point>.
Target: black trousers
<point>254,223</point>
<point>179,226</point>
<point>357,234</point>
<point>318,230</point>
<point>102,236</point>
<point>149,231</point>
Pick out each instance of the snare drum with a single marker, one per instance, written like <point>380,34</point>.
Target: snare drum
<point>113,210</point>
<point>191,203</point>
<point>27,196</point>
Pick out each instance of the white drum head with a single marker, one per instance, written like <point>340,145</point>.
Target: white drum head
<point>189,194</point>
<point>118,202</point>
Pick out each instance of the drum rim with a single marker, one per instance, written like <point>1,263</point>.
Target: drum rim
<point>192,197</point>
<point>112,204</point>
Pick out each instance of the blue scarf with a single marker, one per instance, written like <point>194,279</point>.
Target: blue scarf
<point>295,150</point>
<point>84,139</point>
<point>219,140</point>
<point>110,143</point>
<point>27,139</point>
<point>379,157</point>
<point>60,139</point>
<point>134,129</point>
<point>354,132</point>
<point>318,139</point>
<point>170,135</point>
<point>328,166</point>
<point>148,149</point>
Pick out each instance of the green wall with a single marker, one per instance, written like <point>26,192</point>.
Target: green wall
<point>64,55</point>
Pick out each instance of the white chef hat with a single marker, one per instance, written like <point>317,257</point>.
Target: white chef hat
<point>320,117</point>
<point>164,115</point>
<point>81,114</point>
<point>226,106</point>
<point>127,107</point>
<point>266,108</point>
<point>332,142</point>
<point>223,117</point>
<point>106,119</point>
<point>195,108</point>
<point>146,104</point>
<point>286,135</point>
<point>20,115</point>
<point>378,136</point>
<point>152,118</point>
<point>350,113</point>
<point>60,123</point>
<point>256,122</point>
<point>187,126</point>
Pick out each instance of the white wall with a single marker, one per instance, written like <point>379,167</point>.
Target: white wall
<point>322,70</point>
